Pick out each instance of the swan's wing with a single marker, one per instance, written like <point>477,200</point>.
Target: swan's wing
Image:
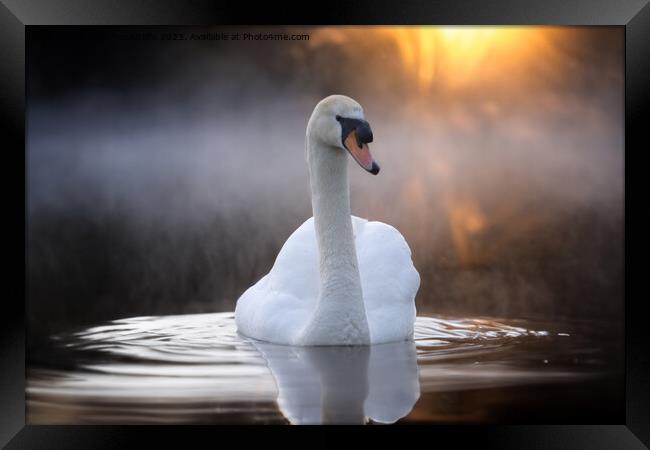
<point>389,281</point>
<point>277,307</point>
<point>295,271</point>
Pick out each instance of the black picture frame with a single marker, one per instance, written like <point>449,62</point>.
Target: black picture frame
<point>16,15</point>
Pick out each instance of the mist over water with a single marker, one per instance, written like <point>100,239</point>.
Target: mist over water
<point>163,177</point>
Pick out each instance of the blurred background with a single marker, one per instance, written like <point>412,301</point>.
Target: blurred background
<point>163,176</point>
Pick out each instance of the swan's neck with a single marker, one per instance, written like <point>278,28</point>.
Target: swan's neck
<point>340,316</point>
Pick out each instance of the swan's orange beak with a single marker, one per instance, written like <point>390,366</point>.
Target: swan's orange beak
<point>360,152</point>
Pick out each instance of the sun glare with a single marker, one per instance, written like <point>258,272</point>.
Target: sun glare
<point>453,55</point>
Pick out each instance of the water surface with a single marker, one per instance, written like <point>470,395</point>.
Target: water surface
<point>197,369</point>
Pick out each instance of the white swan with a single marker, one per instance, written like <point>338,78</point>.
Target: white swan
<point>339,279</point>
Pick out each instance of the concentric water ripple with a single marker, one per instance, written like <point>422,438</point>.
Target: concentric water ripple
<point>198,369</point>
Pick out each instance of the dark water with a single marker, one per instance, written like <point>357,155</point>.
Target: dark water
<point>197,369</point>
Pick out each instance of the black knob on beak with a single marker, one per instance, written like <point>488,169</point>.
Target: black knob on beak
<point>364,133</point>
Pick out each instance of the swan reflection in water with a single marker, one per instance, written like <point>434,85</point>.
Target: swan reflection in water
<point>350,385</point>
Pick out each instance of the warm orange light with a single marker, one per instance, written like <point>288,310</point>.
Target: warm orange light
<point>452,55</point>
<point>465,221</point>
<point>417,49</point>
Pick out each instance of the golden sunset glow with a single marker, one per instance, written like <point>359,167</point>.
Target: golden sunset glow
<point>450,57</point>
<point>417,50</point>
<point>453,55</point>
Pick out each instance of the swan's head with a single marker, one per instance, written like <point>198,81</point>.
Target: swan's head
<point>338,122</point>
